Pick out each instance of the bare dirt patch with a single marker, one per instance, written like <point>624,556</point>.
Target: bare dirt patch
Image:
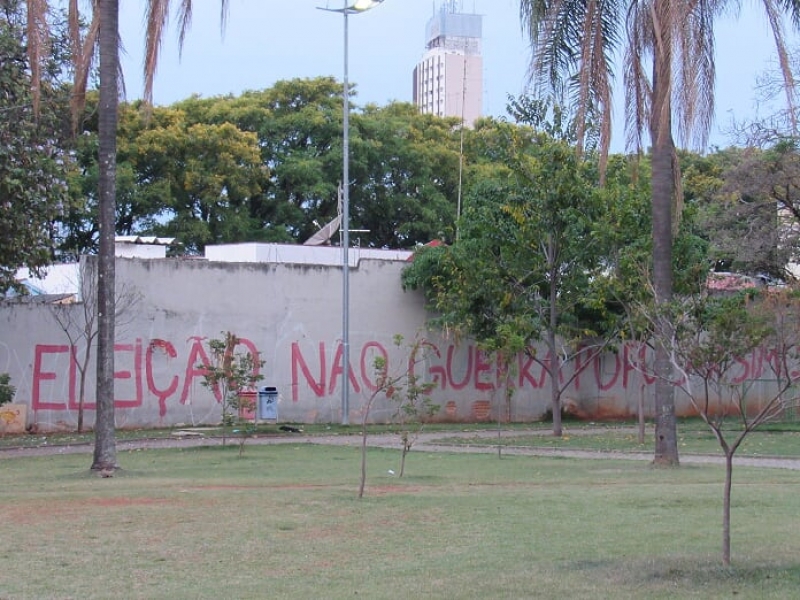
<point>124,501</point>
<point>382,490</point>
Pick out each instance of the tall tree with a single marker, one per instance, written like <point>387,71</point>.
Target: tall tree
<point>107,13</point>
<point>105,448</point>
<point>105,17</point>
<point>141,190</point>
<point>262,166</point>
<point>32,162</point>
<point>758,238</point>
<point>298,127</point>
<point>403,171</point>
<point>405,175</point>
<point>523,268</point>
<point>103,32</point>
<point>574,44</point>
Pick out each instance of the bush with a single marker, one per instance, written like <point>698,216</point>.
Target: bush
<point>7,391</point>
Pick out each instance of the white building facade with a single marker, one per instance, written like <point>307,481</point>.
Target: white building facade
<point>448,81</point>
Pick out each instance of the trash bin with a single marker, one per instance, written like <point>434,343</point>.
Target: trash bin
<point>268,403</point>
<point>247,405</point>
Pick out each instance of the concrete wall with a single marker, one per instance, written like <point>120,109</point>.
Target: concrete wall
<point>291,313</point>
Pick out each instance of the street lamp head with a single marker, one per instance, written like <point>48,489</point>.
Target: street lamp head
<point>357,7</point>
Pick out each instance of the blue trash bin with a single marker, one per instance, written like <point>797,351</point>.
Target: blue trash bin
<point>268,403</point>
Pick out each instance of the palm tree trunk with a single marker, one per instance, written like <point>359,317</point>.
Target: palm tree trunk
<point>105,449</point>
<point>663,190</point>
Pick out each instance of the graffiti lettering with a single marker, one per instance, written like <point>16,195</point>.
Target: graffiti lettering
<point>41,353</point>
<point>161,394</point>
<point>161,371</point>
<point>139,372</point>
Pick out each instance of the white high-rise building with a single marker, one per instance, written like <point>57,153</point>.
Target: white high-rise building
<point>448,81</point>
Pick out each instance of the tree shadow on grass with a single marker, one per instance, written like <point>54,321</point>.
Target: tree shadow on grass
<point>690,575</point>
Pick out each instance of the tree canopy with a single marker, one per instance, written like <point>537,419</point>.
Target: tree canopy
<point>33,190</point>
<point>265,166</point>
<point>523,267</point>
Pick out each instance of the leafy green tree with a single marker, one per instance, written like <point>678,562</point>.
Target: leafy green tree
<point>264,166</point>
<point>228,374</point>
<point>7,390</point>
<point>192,181</point>
<point>32,162</point>
<point>753,218</point>
<point>142,186</point>
<point>78,226</point>
<point>298,127</point>
<point>404,176</point>
<point>212,172</point>
<point>403,164</point>
<point>574,46</point>
<point>521,270</point>
<point>623,231</point>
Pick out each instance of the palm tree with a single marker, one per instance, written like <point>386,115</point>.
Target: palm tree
<point>108,41</point>
<point>574,45</point>
<point>105,451</point>
<point>103,33</point>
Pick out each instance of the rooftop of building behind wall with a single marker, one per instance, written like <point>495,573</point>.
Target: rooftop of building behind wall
<point>299,254</point>
<point>64,278</point>
<point>249,252</point>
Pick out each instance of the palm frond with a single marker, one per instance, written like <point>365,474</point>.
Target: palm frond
<point>693,97</point>
<point>638,87</point>
<point>157,18</point>
<point>82,62</point>
<point>185,20</point>
<point>772,8</point>
<point>573,47</point>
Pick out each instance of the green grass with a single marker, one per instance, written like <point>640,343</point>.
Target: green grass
<point>693,438</point>
<point>284,522</point>
<point>87,437</point>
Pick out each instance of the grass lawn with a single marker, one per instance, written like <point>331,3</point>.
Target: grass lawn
<point>694,437</point>
<point>284,522</point>
<point>87,437</point>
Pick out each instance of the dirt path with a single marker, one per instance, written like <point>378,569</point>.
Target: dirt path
<point>426,442</point>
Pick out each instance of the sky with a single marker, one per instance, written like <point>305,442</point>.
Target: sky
<point>266,41</point>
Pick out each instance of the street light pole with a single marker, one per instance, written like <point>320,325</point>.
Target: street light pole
<point>346,228</point>
<point>357,7</point>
